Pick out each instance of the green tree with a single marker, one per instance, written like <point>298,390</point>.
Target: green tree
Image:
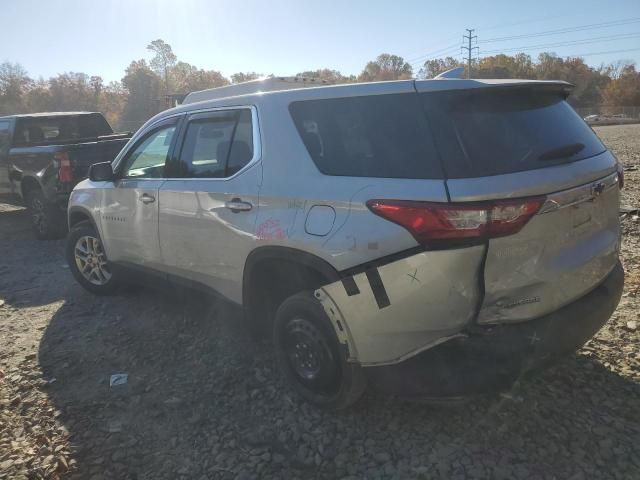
<point>188,78</point>
<point>241,77</point>
<point>163,60</point>
<point>38,98</point>
<point>327,74</point>
<point>14,83</point>
<point>624,90</point>
<point>505,66</point>
<point>143,87</point>
<point>436,66</point>
<point>386,67</point>
<point>71,91</point>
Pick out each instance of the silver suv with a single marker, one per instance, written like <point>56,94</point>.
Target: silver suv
<point>436,238</point>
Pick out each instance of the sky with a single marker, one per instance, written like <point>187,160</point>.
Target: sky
<point>284,37</point>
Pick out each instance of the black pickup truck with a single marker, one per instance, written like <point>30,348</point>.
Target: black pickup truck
<point>44,155</point>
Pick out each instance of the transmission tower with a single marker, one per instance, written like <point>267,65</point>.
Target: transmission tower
<point>469,39</point>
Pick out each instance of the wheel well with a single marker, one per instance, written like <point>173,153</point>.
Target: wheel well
<point>271,280</point>
<point>77,217</point>
<point>27,186</point>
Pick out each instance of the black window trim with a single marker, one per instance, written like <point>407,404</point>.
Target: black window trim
<point>202,114</point>
<point>160,125</point>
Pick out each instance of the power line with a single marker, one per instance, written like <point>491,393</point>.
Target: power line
<point>420,60</point>
<point>492,27</point>
<point>452,50</point>
<point>578,28</point>
<point>602,53</point>
<point>567,43</point>
<point>434,52</point>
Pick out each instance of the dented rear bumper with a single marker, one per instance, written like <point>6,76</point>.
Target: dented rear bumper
<point>386,314</point>
<point>486,359</point>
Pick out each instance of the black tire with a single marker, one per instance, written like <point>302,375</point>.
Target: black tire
<point>322,376</point>
<point>98,283</point>
<point>47,220</point>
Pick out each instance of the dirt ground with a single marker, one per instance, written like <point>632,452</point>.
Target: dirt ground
<point>203,401</point>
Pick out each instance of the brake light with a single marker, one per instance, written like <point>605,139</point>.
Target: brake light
<point>432,223</point>
<point>65,172</point>
<point>620,176</point>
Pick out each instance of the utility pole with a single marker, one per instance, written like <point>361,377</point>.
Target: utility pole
<point>469,37</point>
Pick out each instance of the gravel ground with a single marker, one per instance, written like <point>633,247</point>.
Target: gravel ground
<point>202,401</point>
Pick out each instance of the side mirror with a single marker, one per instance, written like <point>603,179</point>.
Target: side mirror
<point>101,172</point>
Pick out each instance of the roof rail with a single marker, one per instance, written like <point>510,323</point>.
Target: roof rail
<point>265,84</point>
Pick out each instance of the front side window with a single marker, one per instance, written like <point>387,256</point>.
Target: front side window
<point>218,145</point>
<point>147,160</point>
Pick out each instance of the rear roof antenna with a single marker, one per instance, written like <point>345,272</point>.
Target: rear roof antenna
<point>456,72</point>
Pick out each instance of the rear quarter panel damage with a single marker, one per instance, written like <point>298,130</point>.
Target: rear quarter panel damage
<point>386,314</point>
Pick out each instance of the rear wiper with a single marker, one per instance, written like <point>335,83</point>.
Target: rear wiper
<point>562,152</point>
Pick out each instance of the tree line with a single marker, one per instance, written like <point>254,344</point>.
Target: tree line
<point>146,83</point>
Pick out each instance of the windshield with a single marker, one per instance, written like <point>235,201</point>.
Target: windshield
<point>497,131</point>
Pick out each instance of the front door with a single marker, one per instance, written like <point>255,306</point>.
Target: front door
<point>208,212</point>
<point>130,207</point>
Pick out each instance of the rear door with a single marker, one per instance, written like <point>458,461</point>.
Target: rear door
<point>527,142</point>
<point>5,143</point>
<point>129,205</point>
<point>209,205</point>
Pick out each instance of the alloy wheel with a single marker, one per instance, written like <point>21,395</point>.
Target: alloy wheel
<point>91,260</point>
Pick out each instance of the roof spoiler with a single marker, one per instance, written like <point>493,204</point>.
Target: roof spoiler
<point>456,72</point>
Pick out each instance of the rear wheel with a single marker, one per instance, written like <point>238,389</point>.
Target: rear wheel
<point>88,261</point>
<point>310,357</point>
<point>47,221</point>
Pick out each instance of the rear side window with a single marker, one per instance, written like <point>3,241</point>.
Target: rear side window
<point>217,145</point>
<point>368,136</point>
<point>498,131</point>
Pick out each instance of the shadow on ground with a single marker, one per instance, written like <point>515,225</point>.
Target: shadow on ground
<point>204,401</point>
<point>29,268</point>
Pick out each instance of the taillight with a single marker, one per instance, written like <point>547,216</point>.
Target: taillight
<point>437,224</point>
<point>65,172</point>
<point>620,176</point>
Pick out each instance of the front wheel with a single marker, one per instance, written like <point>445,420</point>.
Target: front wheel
<point>88,262</point>
<point>310,357</point>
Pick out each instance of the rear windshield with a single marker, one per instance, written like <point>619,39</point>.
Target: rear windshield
<point>59,129</point>
<point>492,132</point>
<point>368,136</point>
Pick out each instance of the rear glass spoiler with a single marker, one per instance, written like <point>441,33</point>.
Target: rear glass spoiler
<point>562,88</point>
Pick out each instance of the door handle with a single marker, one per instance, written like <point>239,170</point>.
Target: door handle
<point>146,198</point>
<point>236,205</point>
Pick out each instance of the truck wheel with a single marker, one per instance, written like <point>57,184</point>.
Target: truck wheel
<point>46,221</point>
<point>88,262</point>
<point>310,357</point>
